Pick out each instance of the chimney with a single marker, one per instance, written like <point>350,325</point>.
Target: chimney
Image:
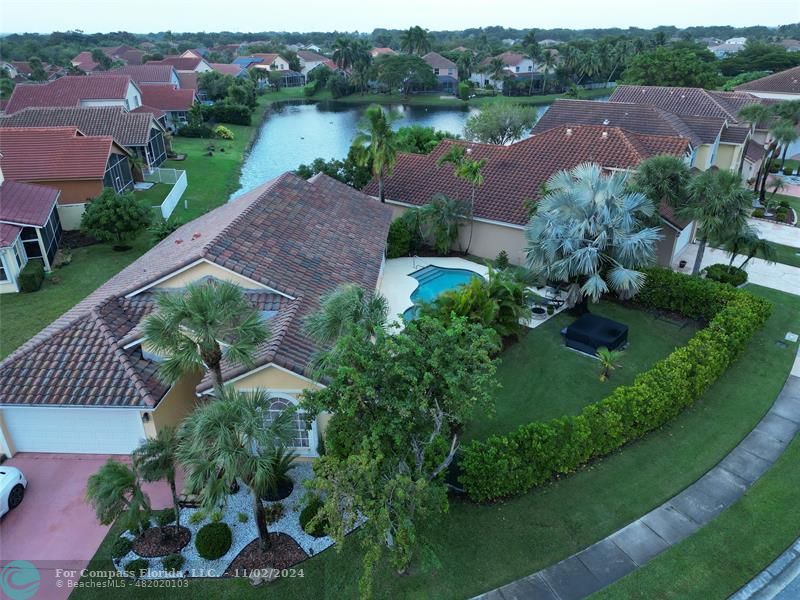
<point>604,135</point>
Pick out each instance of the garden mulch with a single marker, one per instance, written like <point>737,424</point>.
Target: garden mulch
<point>152,543</point>
<point>282,554</point>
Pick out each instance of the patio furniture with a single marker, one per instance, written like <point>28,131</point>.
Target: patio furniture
<point>590,332</point>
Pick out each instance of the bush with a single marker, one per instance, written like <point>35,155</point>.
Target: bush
<point>215,516</point>
<point>726,274</point>
<point>162,228</point>
<point>308,513</point>
<point>223,133</point>
<point>173,562</point>
<point>787,170</point>
<point>234,114</point>
<point>196,517</point>
<point>784,204</point>
<point>114,217</point>
<point>504,465</point>
<point>120,547</point>
<point>759,213</point>
<point>165,517</point>
<point>32,276</point>
<point>310,89</point>
<point>137,567</point>
<point>501,262</point>
<point>213,540</point>
<point>463,90</point>
<point>774,167</point>
<point>196,131</point>
<point>243,518</point>
<point>274,512</point>
<point>399,240</point>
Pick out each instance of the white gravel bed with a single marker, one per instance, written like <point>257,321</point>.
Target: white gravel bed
<point>242,533</point>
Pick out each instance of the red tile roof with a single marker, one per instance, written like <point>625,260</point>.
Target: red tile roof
<point>188,80</point>
<point>167,98</point>
<point>178,62</point>
<point>53,153</point>
<point>309,56</point>
<point>515,173</point>
<point>301,238</point>
<point>84,61</point>
<point>156,112</point>
<point>783,82</point>
<point>226,68</point>
<point>686,101</point>
<point>511,59</point>
<point>26,204</point>
<point>68,91</point>
<point>437,61</point>
<point>8,234</point>
<point>378,51</point>
<point>148,73</point>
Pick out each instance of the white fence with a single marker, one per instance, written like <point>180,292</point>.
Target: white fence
<point>175,177</point>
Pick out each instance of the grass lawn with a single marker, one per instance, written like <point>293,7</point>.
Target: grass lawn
<point>480,547</point>
<point>543,380</point>
<point>793,201</point>
<point>731,550</point>
<point>787,255</point>
<point>24,315</point>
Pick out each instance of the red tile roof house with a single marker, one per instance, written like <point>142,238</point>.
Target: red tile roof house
<point>229,69</point>
<point>514,174</point>
<point>79,166</point>
<point>138,132</point>
<point>311,60</point>
<point>376,52</point>
<point>190,64</point>
<point>144,74</point>
<point>125,54</point>
<point>272,62</point>
<point>30,229</point>
<point>109,90</point>
<point>175,103</point>
<point>445,70</point>
<point>87,383</point>
<point>516,64</point>
<point>784,85</point>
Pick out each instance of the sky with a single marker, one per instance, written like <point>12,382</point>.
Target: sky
<point>143,16</point>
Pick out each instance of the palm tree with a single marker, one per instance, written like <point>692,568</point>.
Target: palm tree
<point>747,242</point>
<point>663,179</point>
<point>343,52</point>
<point>466,64</point>
<point>415,40</point>
<point>441,218</point>
<point>590,232</point>
<point>785,134</point>
<point>718,205</point>
<point>115,492</point>
<point>377,144</point>
<point>533,51</point>
<point>344,308</point>
<point>548,64</point>
<point>471,171</point>
<point>608,361</point>
<point>754,114</point>
<point>188,329</point>
<point>495,69</point>
<point>156,459</point>
<point>233,439</point>
<point>591,64</point>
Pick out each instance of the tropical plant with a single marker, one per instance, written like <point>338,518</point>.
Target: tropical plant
<point>343,52</point>
<point>495,69</point>
<point>608,361</point>
<point>376,142</point>
<point>441,219</point>
<point>162,228</point>
<point>548,65</point>
<point>415,40</point>
<point>469,170</point>
<point>114,217</point>
<point>188,329</point>
<point>747,242</point>
<point>589,232</point>
<point>233,439</point>
<point>500,123</point>
<point>664,179</point>
<point>155,459</point>
<point>347,307</point>
<point>719,207</point>
<point>116,493</point>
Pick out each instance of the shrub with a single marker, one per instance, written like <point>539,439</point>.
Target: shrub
<point>504,465</point>
<point>228,112</point>
<point>137,567</point>
<point>196,517</point>
<point>464,90</point>
<point>274,512</point>
<point>215,516</point>
<point>399,240</point>
<point>309,512</point>
<point>787,170</point>
<point>114,217</point>
<point>223,133</point>
<point>501,262</point>
<point>310,89</point>
<point>213,540</point>
<point>726,274</point>
<point>32,276</point>
<point>173,562</point>
<point>165,517</point>
<point>774,167</point>
<point>784,204</point>
<point>196,131</point>
<point>120,547</point>
<point>162,228</point>
<point>759,213</point>
<point>243,518</point>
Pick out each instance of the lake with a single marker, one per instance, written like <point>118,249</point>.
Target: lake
<point>296,133</point>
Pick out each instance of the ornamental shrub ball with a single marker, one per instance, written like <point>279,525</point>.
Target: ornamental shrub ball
<point>213,540</point>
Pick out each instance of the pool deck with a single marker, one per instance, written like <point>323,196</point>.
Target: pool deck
<point>397,285</point>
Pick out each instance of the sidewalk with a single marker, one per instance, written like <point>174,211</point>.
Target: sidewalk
<point>780,234</point>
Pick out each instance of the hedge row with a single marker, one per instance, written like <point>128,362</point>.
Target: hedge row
<point>505,465</point>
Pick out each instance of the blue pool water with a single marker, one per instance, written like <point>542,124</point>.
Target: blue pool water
<point>432,282</point>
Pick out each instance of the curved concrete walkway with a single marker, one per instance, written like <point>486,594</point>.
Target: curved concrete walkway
<point>624,551</point>
<point>779,581</point>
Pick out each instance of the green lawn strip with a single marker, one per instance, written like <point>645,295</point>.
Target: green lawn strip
<point>24,315</point>
<point>793,201</point>
<point>728,552</point>
<point>155,195</point>
<point>787,255</point>
<point>543,380</point>
<point>480,547</point>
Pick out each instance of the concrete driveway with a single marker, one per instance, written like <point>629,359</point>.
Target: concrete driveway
<point>54,528</point>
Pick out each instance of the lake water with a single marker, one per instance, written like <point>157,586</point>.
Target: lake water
<point>296,133</point>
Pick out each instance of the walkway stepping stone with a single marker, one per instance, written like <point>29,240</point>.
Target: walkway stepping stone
<point>606,561</point>
<point>532,587</point>
<point>670,524</point>
<point>570,579</point>
<point>745,465</point>
<point>763,445</point>
<point>778,427</point>
<point>639,542</point>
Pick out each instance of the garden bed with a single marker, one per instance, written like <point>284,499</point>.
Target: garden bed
<point>161,541</point>
<point>283,553</point>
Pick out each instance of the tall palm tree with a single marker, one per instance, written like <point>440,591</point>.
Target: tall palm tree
<point>155,459</point>
<point>469,170</point>
<point>748,243</point>
<point>590,65</point>
<point>441,218</point>
<point>344,308</point>
<point>466,64</point>
<point>495,69</point>
<point>188,329</point>
<point>753,114</point>
<point>343,52</point>
<point>590,232</point>
<point>234,439</point>
<point>548,64</point>
<point>663,179</point>
<point>114,492</point>
<point>415,40</point>
<point>533,51</point>
<point>377,143</point>
<point>719,206</point>
<point>784,134</point>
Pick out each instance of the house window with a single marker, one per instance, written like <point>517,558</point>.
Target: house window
<point>301,428</point>
<point>436,71</point>
<point>530,68</point>
<point>516,69</point>
<point>450,72</point>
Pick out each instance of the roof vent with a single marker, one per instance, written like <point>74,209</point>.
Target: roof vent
<point>604,135</point>
<point>606,121</point>
<point>196,235</point>
<point>569,131</point>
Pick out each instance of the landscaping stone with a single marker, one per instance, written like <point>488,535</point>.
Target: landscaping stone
<point>639,542</point>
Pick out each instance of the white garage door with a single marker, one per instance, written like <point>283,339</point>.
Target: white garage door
<point>79,430</point>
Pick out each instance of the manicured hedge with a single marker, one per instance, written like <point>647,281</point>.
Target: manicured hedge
<point>31,276</point>
<point>504,465</point>
<point>213,540</point>
<point>726,274</point>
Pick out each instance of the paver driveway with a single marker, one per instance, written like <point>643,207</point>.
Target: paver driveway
<point>54,528</point>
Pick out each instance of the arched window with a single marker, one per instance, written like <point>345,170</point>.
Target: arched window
<point>302,430</point>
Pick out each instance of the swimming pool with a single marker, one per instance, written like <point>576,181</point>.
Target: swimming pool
<point>433,281</point>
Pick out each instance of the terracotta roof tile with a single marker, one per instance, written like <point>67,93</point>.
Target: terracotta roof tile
<point>26,204</point>
<point>8,234</point>
<point>783,82</point>
<point>68,91</point>
<point>227,68</point>
<point>437,61</point>
<point>166,97</point>
<point>180,63</point>
<point>188,81</point>
<point>686,101</point>
<point>149,73</point>
<point>515,173</point>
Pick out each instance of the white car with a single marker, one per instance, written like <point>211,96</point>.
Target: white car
<point>12,488</point>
